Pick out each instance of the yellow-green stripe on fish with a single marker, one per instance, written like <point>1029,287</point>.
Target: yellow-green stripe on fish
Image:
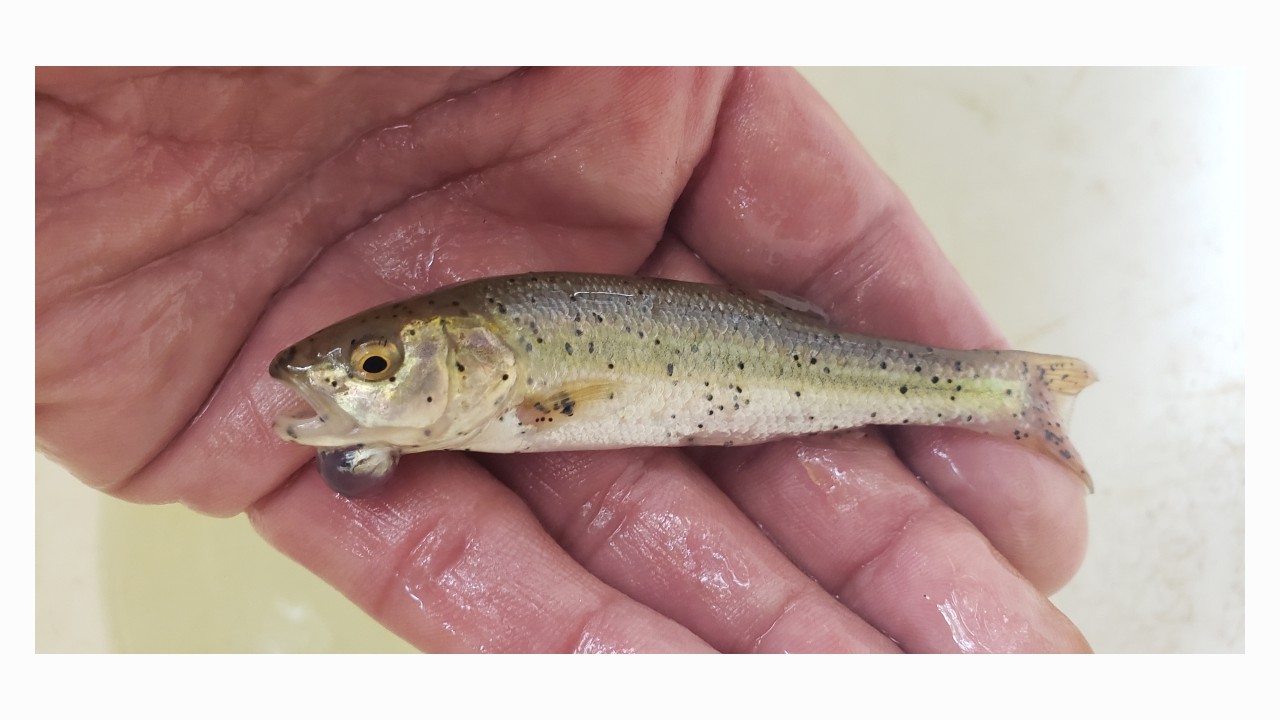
<point>564,361</point>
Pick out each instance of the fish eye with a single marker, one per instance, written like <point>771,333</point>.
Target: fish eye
<point>374,361</point>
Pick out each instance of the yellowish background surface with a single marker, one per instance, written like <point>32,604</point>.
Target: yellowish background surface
<point>1097,213</point>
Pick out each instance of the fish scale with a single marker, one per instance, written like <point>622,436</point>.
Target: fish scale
<point>562,361</point>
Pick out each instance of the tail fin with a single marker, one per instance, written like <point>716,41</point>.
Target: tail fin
<point>1054,382</point>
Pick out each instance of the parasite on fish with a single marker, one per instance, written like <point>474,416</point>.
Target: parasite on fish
<point>565,361</point>
<point>357,471</point>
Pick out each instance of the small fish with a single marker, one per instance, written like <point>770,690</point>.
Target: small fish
<point>563,361</point>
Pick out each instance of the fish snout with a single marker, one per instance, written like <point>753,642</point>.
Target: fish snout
<point>276,371</point>
<point>285,365</point>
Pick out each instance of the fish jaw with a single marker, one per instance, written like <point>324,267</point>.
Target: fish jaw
<point>320,430</point>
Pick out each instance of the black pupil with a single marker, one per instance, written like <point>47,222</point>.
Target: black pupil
<point>374,364</point>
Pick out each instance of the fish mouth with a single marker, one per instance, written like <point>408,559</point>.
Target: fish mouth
<point>330,426</point>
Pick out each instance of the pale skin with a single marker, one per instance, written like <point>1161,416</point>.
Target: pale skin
<point>192,223</point>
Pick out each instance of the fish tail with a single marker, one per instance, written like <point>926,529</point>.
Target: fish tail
<point>1054,381</point>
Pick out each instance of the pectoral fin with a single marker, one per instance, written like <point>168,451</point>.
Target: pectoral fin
<point>565,402</point>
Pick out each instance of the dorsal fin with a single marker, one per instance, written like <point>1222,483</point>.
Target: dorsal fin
<point>795,304</point>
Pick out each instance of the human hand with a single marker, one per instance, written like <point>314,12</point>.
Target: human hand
<point>191,223</point>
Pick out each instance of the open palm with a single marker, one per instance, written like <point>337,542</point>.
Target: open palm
<point>193,222</point>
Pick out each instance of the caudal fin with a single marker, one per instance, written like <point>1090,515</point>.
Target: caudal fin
<point>1054,382</point>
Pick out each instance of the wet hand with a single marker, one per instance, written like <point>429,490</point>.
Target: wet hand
<point>191,223</point>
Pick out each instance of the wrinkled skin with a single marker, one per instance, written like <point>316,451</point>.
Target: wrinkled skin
<point>191,223</point>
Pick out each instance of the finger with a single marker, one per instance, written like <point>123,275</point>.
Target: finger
<point>854,518</point>
<point>1021,501</point>
<point>132,169</point>
<point>451,561</point>
<point>647,522</point>
<point>786,200</point>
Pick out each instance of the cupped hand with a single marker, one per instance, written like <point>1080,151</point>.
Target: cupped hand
<point>193,222</point>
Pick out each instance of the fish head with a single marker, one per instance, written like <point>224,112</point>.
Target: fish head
<point>382,380</point>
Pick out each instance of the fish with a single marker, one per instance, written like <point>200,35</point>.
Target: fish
<point>572,361</point>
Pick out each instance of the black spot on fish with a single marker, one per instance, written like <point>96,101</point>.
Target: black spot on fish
<point>568,348</point>
<point>934,379</point>
<point>903,389</point>
<point>884,365</point>
<point>670,369</point>
<point>460,367</point>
